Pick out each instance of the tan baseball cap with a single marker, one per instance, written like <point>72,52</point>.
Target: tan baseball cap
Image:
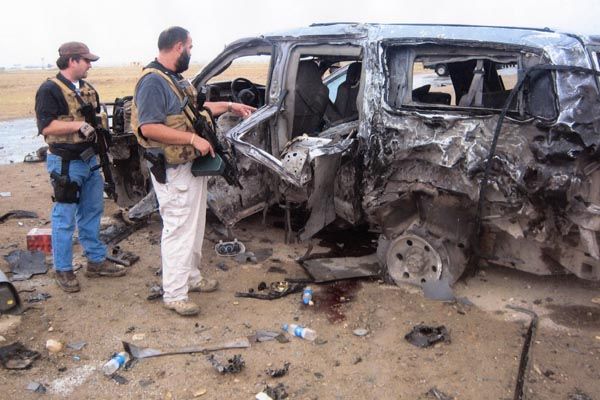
<point>76,49</point>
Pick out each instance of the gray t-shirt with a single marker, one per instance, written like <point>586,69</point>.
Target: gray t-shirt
<point>155,100</point>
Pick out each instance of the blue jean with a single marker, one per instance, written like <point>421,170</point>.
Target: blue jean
<point>86,213</point>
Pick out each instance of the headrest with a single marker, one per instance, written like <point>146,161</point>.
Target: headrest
<point>353,74</point>
<point>307,70</point>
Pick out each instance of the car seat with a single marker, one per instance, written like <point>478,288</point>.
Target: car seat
<point>345,101</point>
<point>310,101</point>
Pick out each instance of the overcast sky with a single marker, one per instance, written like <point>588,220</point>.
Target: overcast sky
<point>122,31</point>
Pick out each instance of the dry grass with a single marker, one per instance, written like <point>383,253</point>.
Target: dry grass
<point>18,88</point>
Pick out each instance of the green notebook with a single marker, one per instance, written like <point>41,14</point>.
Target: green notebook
<point>208,166</point>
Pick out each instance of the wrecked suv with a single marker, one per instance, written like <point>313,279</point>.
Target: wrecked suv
<point>496,162</point>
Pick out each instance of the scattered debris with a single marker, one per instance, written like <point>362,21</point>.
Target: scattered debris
<point>120,379</point>
<point>277,270</point>
<point>39,156</point>
<point>145,382</point>
<point>145,207</point>
<point>278,373</point>
<point>156,292</point>
<point>425,336</point>
<point>38,297</point>
<point>40,239</point>
<point>76,345</point>
<point>11,303</point>
<point>277,290</point>
<point>438,394</point>
<point>17,356</point>
<point>265,336</point>
<point>5,194</point>
<point>262,286</point>
<point>230,249</point>
<point>114,234</point>
<point>24,264</point>
<point>36,387</point>
<point>438,289</point>
<point>138,336</point>
<point>278,392</point>
<point>262,255</point>
<point>200,392</point>
<point>360,332</point>
<point>122,257</point>
<point>222,266</point>
<point>525,353</point>
<point>333,269</point>
<point>246,257</point>
<point>54,346</point>
<point>146,352</point>
<point>579,395</point>
<point>596,300</point>
<point>17,214</point>
<point>234,365</point>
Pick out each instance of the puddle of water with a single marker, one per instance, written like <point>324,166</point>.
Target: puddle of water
<point>17,139</point>
<point>573,316</point>
<point>330,298</point>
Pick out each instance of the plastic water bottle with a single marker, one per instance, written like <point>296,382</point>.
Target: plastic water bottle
<point>116,362</point>
<point>307,296</point>
<point>300,331</point>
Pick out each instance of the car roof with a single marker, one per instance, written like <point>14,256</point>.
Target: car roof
<point>559,45</point>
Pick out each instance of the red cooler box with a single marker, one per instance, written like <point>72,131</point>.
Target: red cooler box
<point>40,239</point>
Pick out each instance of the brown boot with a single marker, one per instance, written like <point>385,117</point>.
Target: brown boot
<point>67,281</point>
<point>183,307</point>
<point>104,268</point>
<point>204,285</point>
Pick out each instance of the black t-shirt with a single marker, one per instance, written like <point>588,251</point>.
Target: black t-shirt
<point>50,102</point>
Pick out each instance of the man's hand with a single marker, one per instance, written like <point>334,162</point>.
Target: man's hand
<point>240,109</point>
<point>202,145</point>
<point>87,132</point>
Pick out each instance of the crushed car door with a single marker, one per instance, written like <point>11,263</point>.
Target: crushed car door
<point>249,60</point>
<point>312,149</point>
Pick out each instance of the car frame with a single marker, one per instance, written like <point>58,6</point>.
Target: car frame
<point>489,174</point>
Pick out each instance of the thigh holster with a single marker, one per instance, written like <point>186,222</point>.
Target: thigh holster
<point>65,190</point>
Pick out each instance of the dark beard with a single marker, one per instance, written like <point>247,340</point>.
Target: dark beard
<point>183,62</point>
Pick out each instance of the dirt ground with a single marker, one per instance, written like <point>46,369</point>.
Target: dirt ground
<point>480,362</point>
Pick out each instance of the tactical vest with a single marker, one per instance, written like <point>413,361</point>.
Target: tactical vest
<point>88,95</point>
<point>174,153</point>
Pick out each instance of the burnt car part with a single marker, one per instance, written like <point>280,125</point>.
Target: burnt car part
<point>584,267</point>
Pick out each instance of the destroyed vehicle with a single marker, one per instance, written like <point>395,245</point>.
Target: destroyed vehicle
<point>495,163</point>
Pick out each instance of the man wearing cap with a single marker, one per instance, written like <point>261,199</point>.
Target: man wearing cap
<point>159,121</point>
<point>61,104</point>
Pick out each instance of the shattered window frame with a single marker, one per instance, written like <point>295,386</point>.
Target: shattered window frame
<point>399,92</point>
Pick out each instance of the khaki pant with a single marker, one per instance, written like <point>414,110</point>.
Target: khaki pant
<point>182,206</point>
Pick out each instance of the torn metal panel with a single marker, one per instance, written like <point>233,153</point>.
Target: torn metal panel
<point>332,269</point>
<point>321,201</point>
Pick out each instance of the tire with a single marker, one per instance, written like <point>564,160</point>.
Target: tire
<point>441,69</point>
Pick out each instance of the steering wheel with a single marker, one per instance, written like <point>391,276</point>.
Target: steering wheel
<point>246,92</point>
